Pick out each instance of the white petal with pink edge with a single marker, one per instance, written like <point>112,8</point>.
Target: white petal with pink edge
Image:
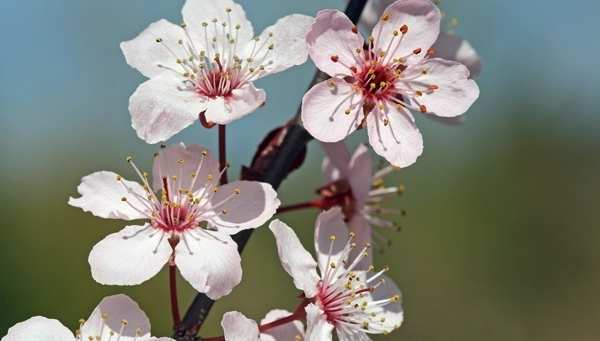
<point>399,142</point>
<point>452,47</point>
<point>296,261</point>
<point>102,193</point>
<point>163,106</point>
<point>290,331</point>
<point>39,328</point>
<point>241,102</point>
<point>317,327</point>
<point>332,42</point>
<point>210,262</point>
<point>130,256</point>
<point>331,238</point>
<point>331,110</point>
<point>417,23</point>
<point>337,161</point>
<point>237,327</point>
<point>361,174</point>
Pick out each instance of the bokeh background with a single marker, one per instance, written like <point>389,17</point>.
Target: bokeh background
<point>501,240</point>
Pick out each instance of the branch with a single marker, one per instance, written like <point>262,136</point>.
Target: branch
<point>280,164</point>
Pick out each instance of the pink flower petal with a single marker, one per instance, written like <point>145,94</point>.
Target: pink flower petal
<point>101,195</point>
<point>331,38</point>
<point>400,142</point>
<point>336,164</point>
<point>107,319</point>
<point>317,327</point>
<point>146,54</point>
<point>392,312</point>
<point>287,36</point>
<point>296,261</point>
<point>330,223</point>
<point>453,47</point>
<point>192,165</point>
<point>324,110</point>
<point>248,204</point>
<point>422,19</point>
<point>455,92</point>
<point>212,264</point>
<point>39,328</point>
<point>361,174</point>
<point>196,12</point>
<point>237,327</point>
<point>289,331</point>
<point>244,100</point>
<point>130,256</point>
<point>161,107</point>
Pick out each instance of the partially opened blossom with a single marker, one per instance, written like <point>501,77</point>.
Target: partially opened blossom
<point>352,184</point>
<point>207,65</point>
<point>448,46</point>
<point>188,220</point>
<point>352,302</point>
<point>377,83</point>
<point>115,318</point>
<point>238,327</point>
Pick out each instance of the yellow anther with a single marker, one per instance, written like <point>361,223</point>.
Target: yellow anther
<point>123,199</point>
<point>237,191</point>
<point>159,40</point>
<point>332,237</point>
<point>119,178</point>
<point>129,158</point>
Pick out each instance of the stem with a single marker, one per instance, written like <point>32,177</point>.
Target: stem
<point>222,153</point>
<point>293,143</point>
<point>174,301</point>
<point>299,206</point>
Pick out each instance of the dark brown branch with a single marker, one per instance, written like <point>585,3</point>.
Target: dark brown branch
<point>280,164</point>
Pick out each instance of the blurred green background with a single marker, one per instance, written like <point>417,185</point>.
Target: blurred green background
<point>501,237</point>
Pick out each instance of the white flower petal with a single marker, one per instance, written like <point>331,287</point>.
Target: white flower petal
<point>422,18</point>
<point>400,142</point>
<point>161,107</point>
<point>39,328</point>
<point>237,327</point>
<point>101,195</point>
<point>392,312</point>
<point>285,332</point>
<point>361,174</point>
<point>107,319</point>
<point>452,47</point>
<point>296,261</point>
<point>256,203</point>
<point>362,237</point>
<point>145,53</point>
<point>331,37</point>
<point>455,92</point>
<point>182,161</point>
<point>317,327</point>
<point>196,12</point>
<point>287,36</point>
<point>324,110</point>
<point>337,161</point>
<point>241,102</point>
<point>330,223</point>
<point>212,264</point>
<point>119,261</point>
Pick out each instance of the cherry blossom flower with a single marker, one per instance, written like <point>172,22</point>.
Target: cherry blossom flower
<point>207,65</point>
<point>378,82</point>
<point>189,220</point>
<point>351,184</point>
<point>238,327</point>
<point>115,318</point>
<point>447,46</point>
<point>350,301</point>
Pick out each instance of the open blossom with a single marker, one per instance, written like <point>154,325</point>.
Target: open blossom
<point>115,318</point>
<point>189,220</point>
<point>351,184</point>
<point>207,65</point>
<point>352,302</point>
<point>447,46</point>
<point>238,327</point>
<point>379,81</point>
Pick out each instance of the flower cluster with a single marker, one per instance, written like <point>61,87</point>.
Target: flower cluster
<point>184,212</point>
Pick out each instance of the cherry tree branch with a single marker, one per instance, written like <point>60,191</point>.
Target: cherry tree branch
<point>279,165</point>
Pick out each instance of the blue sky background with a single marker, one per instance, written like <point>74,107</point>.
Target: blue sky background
<point>500,241</point>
